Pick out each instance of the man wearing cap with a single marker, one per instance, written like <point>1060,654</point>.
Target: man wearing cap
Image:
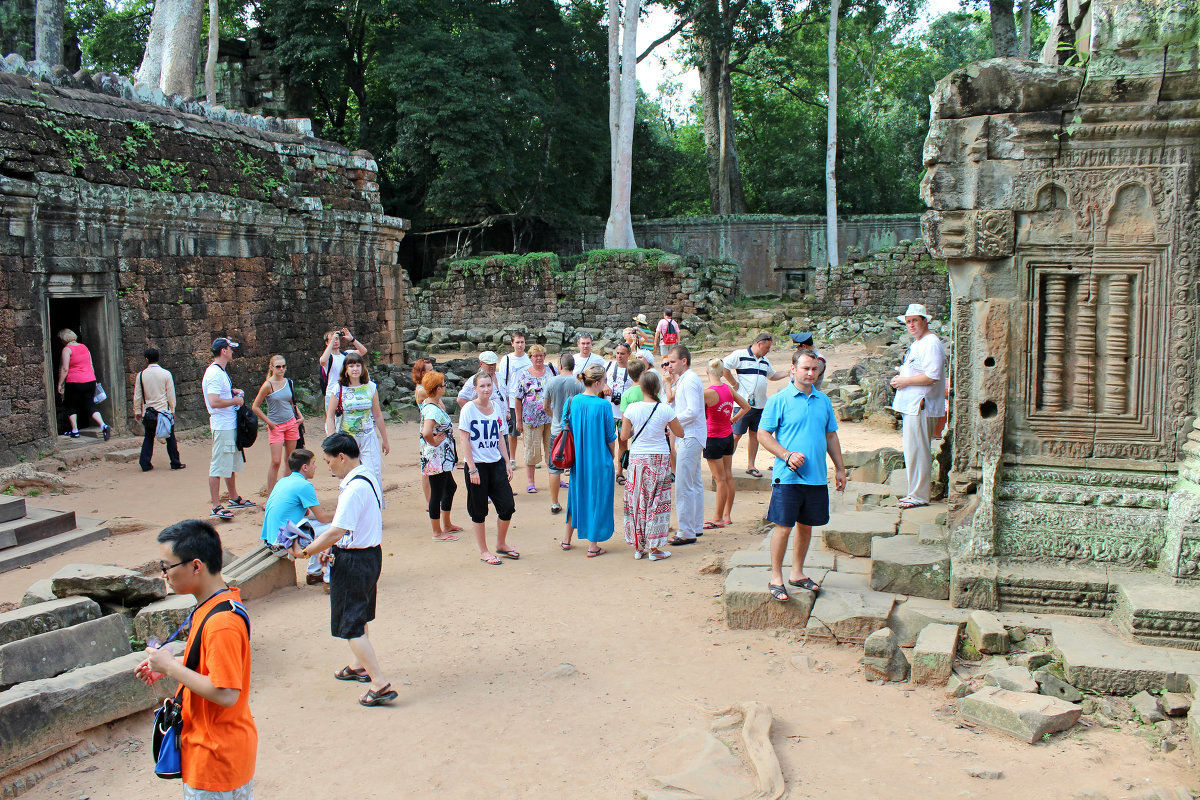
<point>641,327</point>
<point>487,363</point>
<point>804,341</point>
<point>223,402</point>
<point>749,370</point>
<point>920,401</point>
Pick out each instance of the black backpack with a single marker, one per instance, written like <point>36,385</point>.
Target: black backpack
<point>247,427</point>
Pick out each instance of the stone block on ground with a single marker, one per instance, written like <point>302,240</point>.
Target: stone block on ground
<point>1097,658</point>
<point>1157,612</point>
<point>1032,661</point>
<point>748,604</point>
<point>852,532</point>
<point>933,655</point>
<point>909,617</point>
<point>1175,704</point>
<point>260,572</point>
<point>1051,685</point>
<point>897,481</point>
<point>54,652</point>
<point>38,592</point>
<point>860,496</point>
<point>106,582</point>
<point>123,456</point>
<point>1145,705</point>
<point>987,633</point>
<point>957,687</point>
<point>37,716</point>
<point>846,611</point>
<point>160,619</point>
<point>1015,679</point>
<point>26,621</point>
<point>877,465</point>
<point>912,519</point>
<point>902,565</point>
<point>1027,717</point>
<point>883,660</point>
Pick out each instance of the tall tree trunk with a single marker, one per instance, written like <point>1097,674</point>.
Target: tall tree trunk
<point>150,71</point>
<point>1004,28</point>
<point>1026,27</point>
<point>214,44</point>
<point>48,35</point>
<point>181,49</point>
<point>831,230</point>
<point>725,192</point>
<point>618,231</point>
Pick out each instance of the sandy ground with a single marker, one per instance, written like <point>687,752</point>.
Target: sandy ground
<point>468,651</point>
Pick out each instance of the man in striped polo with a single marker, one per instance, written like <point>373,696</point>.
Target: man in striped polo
<point>750,370</point>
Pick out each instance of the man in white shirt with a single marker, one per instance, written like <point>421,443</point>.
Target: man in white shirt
<point>356,536</point>
<point>920,401</point>
<point>687,396</point>
<point>586,357</point>
<point>487,363</point>
<point>749,370</point>
<point>616,375</point>
<point>509,371</point>
<point>223,401</point>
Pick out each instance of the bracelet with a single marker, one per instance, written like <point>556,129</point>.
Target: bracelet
<point>352,338</point>
<point>473,472</point>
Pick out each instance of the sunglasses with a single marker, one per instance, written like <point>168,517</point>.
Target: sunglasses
<point>280,366</point>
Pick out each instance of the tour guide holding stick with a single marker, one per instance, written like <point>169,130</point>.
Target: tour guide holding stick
<point>799,428</point>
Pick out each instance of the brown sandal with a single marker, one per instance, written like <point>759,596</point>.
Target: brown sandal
<point>348,674</point>
<point>378,697</point>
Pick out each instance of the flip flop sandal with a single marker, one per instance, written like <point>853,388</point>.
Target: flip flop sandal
<point>531,489</point>
<point>348,674</point>
<point>555,508</point>
<point>565,545</point>
<point>493,561</point>
<point>621,480</point>
<point>754,472</point>
<point>594,553</point>
<point>778,592</point>
<point>378,697</point>
<point>509,553</point>
<point>806,583</point>
<point>708,526</point>
<point>675,541</point>
<point>906,504</point>
<point>449,537</point>
<point>455,529</point>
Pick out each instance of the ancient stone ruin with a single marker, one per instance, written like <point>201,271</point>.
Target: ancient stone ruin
<point>1064,200</point>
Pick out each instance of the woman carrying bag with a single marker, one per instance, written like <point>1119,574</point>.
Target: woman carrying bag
<point>648,487</point>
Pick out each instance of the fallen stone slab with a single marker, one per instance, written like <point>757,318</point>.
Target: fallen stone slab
<point>883,660</point>
<point>123,456</point>
<point>1175,704</point>
<point>37,716</point>
<point>26,621</point>
<point>1015,679</point>
<point>260,572</point>
<point>846,612</point>
<point>1051,685</point>
<point>852,532</point>
<point>933,655</point>
<point>1145,705</point>
<point>748,604</point>
<point>160,619</point>
<point>909,617</point>
<point>987,633</point>
<point>957,687</point>
<point>1025,716</point>
<point>55,652</point>
<point>876,465</point>
<point>38,592</point>
<point>103,582</point>
<point>1097,658</point>
<point>902,565</point>
<point>1032,661</point>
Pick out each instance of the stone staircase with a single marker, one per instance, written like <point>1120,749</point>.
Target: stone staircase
<point>28,535</point>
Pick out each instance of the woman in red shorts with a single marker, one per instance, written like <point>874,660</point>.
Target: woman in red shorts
<point>282,418</point>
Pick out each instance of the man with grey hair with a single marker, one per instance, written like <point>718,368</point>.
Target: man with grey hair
<point>920,401</point>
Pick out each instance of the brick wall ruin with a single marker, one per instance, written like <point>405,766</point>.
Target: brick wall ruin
<point>883,281</point>
<point>160,221</point>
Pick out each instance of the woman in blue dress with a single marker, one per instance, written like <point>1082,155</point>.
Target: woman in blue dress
<point>590,497</point>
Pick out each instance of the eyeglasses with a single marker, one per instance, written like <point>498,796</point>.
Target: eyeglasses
<point>165,567</point>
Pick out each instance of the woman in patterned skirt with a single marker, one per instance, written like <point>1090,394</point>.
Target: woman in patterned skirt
<point>644,428</point>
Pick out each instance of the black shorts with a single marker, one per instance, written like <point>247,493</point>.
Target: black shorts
<point>353,580</point>
<point>512,424</point>
<point>493,483</point>
<point>715,449</point>
<point>799,504</point>
<point>748,422</point>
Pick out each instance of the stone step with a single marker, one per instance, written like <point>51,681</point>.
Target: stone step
<point>31,620</point>
<point>749,605</point>
<point>1084,591</point>
<point>11,508</point>
<point>860,495</point>
<point>901,564</point>
<point>911,519</point>
<point>847,610</point>
<point>38,716</point>
<point>1097,658</point>
<point>38,523</point>
<point>55,652</point>
<point>26,554</point>
<point>852,532</point>
<point>932,533</point>
<point>818,559</point>
<point>260,572</point>
<point>1158,611</point>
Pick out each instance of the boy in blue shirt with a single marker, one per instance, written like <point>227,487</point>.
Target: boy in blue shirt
<point>799,428</point>
<point>291,500</point>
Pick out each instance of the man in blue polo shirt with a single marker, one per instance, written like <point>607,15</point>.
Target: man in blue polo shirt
<point>799,428</point>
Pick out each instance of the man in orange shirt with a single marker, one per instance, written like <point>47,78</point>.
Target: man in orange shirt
<point>219,742</point>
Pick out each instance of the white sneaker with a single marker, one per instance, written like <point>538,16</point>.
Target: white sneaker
<point>660,556</point>
<point>637,555</point>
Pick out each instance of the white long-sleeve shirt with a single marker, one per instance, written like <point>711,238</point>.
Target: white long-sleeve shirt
<point>689,406</point>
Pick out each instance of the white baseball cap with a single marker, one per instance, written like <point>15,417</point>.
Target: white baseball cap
<point>489,357</point>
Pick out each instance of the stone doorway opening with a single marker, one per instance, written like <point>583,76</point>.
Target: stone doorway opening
<point>90,319</point>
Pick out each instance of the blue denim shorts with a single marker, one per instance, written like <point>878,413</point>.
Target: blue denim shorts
<point>799,504</point>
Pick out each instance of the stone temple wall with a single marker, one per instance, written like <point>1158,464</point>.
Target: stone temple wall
<point>883,281</point>
<point>1065,202</point>
<point>146,220</point>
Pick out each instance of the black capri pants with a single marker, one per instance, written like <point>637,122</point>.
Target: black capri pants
<point>78,398</point>
<point>493,484</point>
<point>441,493</point>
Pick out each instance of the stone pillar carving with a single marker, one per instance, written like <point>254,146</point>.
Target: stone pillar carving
<point>1084,394</point>
<point>1116,371</point>
<point>1056,337</point>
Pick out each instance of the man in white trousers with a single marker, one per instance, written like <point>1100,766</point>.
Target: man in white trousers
<point>686,393</point>
<point>921,402</point>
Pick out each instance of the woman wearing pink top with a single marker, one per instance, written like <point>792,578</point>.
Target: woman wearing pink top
<point>77,384</point>
<point>719,400</point>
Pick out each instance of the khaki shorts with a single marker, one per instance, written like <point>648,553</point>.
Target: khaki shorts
<point>226,459</point>
<point>537,440</point>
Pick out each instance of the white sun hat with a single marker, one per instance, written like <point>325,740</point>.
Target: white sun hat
<point>915,310</point>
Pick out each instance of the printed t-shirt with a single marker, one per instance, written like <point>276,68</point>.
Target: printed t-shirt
<point>441,424</point>
<point>216,381</point>
<point>653,439</point>
<point>357,418</point>
<point>288,501</point>
<point>219,746</point>
<point>509,372</point>
<point>484,430</point>
<point>799,423</point>
<point>358,510</point>
<point>531,389</point>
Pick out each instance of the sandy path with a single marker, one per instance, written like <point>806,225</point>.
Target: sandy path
<point>468,644</point>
